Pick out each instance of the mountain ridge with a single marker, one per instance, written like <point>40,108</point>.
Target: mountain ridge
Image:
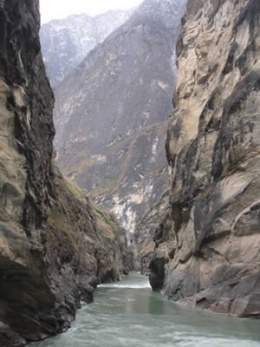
<point>66,42</point>
<point>117,100</point>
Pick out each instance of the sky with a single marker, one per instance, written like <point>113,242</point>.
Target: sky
<point>54,9</point>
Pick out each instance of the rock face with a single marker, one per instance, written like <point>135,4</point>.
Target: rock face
<point>111,114</point>
<point>66,42</point>
<point>54,245</point>
<point>213,145</point>
<point>145,231</point>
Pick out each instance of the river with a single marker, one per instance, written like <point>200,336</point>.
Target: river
<point>129,314</point>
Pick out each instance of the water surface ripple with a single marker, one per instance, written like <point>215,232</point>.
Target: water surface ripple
<point>129,314</point>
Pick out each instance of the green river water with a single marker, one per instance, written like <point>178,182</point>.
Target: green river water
<point>129,314</point>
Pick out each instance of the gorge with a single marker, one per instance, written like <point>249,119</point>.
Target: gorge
<point>191,212</point>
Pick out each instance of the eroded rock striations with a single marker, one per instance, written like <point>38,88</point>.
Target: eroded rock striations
<point>112,112</point>
<point>54,245</point>
<point>213,228</point>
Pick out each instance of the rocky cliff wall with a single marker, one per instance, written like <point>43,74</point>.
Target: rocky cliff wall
<point>212,230</point>
<point>54,246</point>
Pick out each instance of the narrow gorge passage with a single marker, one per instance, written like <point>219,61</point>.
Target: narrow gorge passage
<point>129,314</point>
<point>155,168</point>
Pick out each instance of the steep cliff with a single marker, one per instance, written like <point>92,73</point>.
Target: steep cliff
<point>54,246</point>
<point>144,233</point>
<point>66,42</point>
<point>212,228</point>
<point>111,113</point>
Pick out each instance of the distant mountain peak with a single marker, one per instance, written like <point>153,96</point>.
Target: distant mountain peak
<point>66,42</point>
<point>162,10</point>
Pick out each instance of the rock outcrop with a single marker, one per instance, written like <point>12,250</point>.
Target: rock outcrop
<point>112,112</point>
<point>143,240</point>
<point>212,229</point>
<point>54,245</point>
<point>66,42</point>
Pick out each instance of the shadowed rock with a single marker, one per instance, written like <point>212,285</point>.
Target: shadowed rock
<point>54,245</point>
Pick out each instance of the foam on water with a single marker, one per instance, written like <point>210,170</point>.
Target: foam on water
<point>126,286</point>
<point>136,281</point>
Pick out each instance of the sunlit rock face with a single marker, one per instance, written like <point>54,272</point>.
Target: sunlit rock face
<point>54,245</point>
<point>212,227</point>
<point>66,42</point>
<point>111,113</point>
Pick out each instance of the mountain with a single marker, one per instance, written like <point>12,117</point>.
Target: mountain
<point>111,113</point>
<point>207,245</point>
<point>55,246</point>
<point>66,42</point>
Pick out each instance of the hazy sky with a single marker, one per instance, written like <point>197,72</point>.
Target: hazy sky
<point>53,9</point>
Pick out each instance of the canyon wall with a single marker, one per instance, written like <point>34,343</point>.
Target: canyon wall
<point>207,250</point>
<point>54,245</point>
